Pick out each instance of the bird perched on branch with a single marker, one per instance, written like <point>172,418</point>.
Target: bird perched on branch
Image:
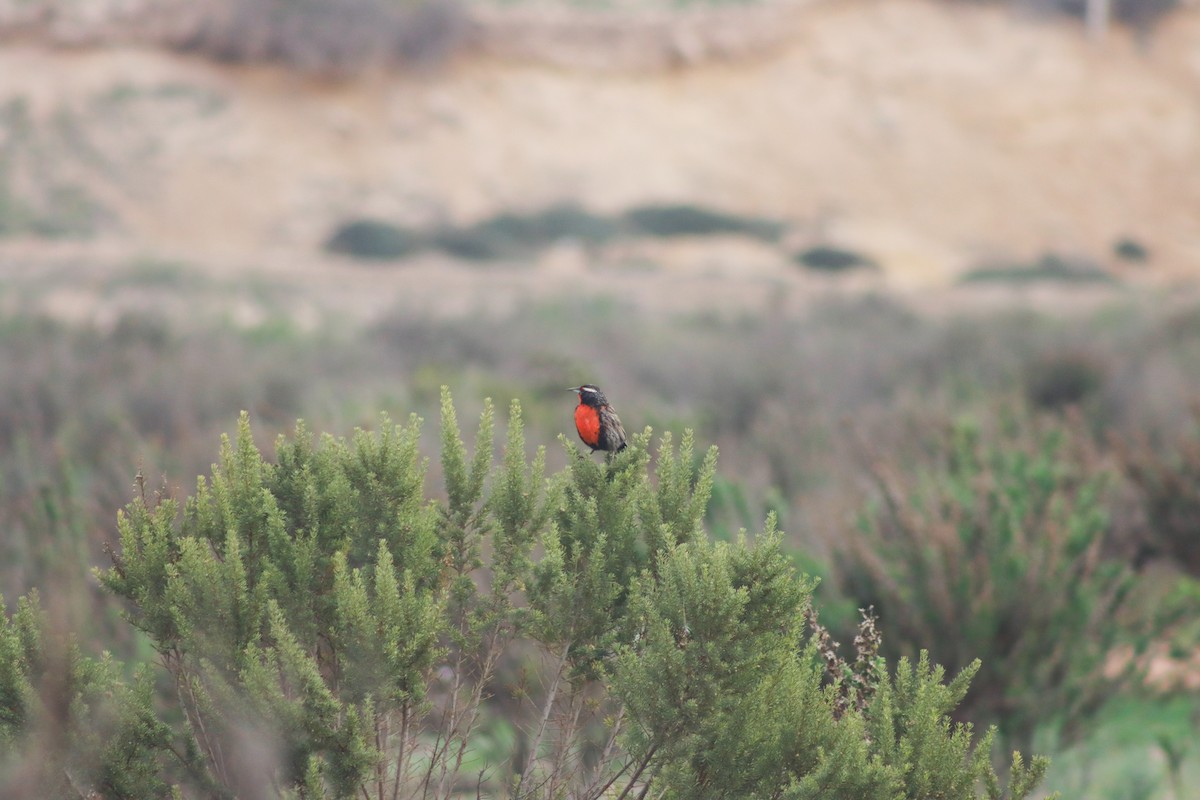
<point>596,421</point>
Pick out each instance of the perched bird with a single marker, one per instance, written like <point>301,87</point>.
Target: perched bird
<point>597,422</point>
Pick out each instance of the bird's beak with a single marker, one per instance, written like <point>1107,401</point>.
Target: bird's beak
<point>574,389</point>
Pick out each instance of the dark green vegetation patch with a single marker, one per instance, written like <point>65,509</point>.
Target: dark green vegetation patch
<point>511,235</point>
<point>1050,268</point>
<point>824,258</point>
<point>374,240</point>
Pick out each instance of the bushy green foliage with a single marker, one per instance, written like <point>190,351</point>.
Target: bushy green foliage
<point>1000,554</point>
<point>70,724</point>
<point>1049,268</point>
<point>727,697</point>
<point>319,601</point>
<point>1168,482</point>
<point>1143,748</point>
<point>325,629</point>
<point>374,240</point>
<point>689,220</point>
<point>1061,379</point>
<point>1132,250</point>
<point>301,598</point>
<point>825,258</point>
<point>513,235</point>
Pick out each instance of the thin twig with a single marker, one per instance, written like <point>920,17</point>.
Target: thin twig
<point>450,718</point>
<point>495,647</point>
<point>401,757</point>
<point>641,768</point>
<point>71,783</point>
<point>616,777</point>
<point>646,789</point>
<point>566,736</point>
<point>479,783</point>
<point>605,755</point>
<point>433,756</point>
<point>191,709</point>
<point>379,741</point>
<point>551,696</point>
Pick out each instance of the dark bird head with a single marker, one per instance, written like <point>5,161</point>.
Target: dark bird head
<point>589,395</point>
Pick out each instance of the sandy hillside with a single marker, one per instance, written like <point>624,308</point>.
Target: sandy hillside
<point>931,136</point>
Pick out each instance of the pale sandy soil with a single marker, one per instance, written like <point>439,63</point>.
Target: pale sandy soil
<point>929,136</point>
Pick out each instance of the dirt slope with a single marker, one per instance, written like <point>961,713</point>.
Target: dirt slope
<point>929,135</point>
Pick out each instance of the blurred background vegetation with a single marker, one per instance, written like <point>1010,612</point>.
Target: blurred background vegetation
<point>326,210</point>
<point>875,434</point>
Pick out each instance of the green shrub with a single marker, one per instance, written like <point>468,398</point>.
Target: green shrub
<point>15,215</point>
<point>329,630</point>
<point>330,573</point>
<point>1128,249</point>
<point>80,406</point>
<point>1065,378</point>
<point>1000,554</point>
<point>724,703</point>
<point>833,259</point>
<point>542,228</point>
<point>511,235</point>
<point>1136,752</point>
<point>1050,268</point>
<point>1167,481</point>
<point>374,240</point>
<point>482,243</point>
<point>569,222</point>
<point>687,220</point>
<point>39,192</point>
<point>69,212</point>
<point>71,724</point>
